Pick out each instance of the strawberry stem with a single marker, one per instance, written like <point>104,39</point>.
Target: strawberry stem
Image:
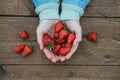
<point>31,46</point>
<point>98,37</point>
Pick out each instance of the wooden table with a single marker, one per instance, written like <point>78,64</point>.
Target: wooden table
<point>92,61</point>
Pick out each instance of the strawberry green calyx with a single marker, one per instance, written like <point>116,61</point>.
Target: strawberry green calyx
<point>32,47</point>
<point>50,46</point>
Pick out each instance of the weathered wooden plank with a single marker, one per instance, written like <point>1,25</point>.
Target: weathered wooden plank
<point>100,8</point>
<point>103,8</point>
<point>108,28</point>
<point>57,78</point>
<point>11,27</point>
<point>16,7</point>
<point>31,71</point>
<point>106,52</point>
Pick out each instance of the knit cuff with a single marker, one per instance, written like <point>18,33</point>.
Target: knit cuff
<point>48,11</point>
<point>71,12</point>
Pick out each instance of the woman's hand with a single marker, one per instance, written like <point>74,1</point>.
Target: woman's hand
<point>46,26</point>
<point>75,27</point>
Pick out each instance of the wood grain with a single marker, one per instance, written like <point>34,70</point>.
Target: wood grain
<point>102,53</point>
<point>97,8</point>
<point>108,28</point>
<point>30,71</point>
<point>58,78</point>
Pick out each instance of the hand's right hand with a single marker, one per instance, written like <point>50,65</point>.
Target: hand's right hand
<point>46,26</point>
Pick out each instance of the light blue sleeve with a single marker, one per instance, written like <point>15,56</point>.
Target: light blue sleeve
<point>80,3</point>
<point>47,9</point>
<point>73,9</point>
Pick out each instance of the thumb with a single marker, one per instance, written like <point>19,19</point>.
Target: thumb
<point>78,39</point>
<point>74,48</point>
<point>39,40</point>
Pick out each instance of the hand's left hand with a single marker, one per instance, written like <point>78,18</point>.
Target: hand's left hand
<point>75,27</point>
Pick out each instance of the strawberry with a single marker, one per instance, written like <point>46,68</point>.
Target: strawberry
<point>56,35</point>
<point>19,48</point>
<point>46,39</point>
<point>68,45</point>
<point>64,51</point>
<point>61,41</point>
<point>24,35</point>
<point>70,38</point>
<point>63,45</point>
<point>58,26</point>
<point>56,49</point>
<point>63,34</point>
<point>92,36</point>
<point>51,45</point>
<point>27,50</point>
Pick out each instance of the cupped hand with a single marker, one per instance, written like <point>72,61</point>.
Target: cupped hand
<point>46,26</point>
<point>75,27</point>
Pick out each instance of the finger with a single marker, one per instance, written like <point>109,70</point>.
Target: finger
<point>78,39</point>
<point>54,60</point>
<point>57,58</point>
<point>39,39</point>
<point>47,53</point>
<point>74,48</point>
<point>62,58</point>
<point>40,42</point>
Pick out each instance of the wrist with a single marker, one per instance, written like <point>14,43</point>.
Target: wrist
<point>71,12</point>
<point>48,11</point>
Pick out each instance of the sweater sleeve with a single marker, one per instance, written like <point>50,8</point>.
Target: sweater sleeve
<point>73,9</point>
<point>47,9</point>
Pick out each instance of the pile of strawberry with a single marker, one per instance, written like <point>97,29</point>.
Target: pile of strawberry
<point>62,40</point>
<point>25,49</point>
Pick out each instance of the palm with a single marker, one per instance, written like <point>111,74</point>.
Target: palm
<point>46,26</point>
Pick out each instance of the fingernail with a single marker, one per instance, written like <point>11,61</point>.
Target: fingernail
<point>41,48</point>
<point>62,59</point>
<point>53,60</point>
<point>67,57</point>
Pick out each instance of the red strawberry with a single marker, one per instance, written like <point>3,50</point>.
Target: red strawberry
<point>63,45</point>
<point>46,39</point>
<point>19,48</point>
<point>61,41</point>
<point>27,50</point>
<point>63,34</point>
<point>67,45</point>
<point>70,38</point>
<point>56,49</point>
<point>52,42</point>
<point>56,35</point>
<point>58,26</point>
<point>92,36</point>
<point>24,35</point>
<point>64,51</point>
